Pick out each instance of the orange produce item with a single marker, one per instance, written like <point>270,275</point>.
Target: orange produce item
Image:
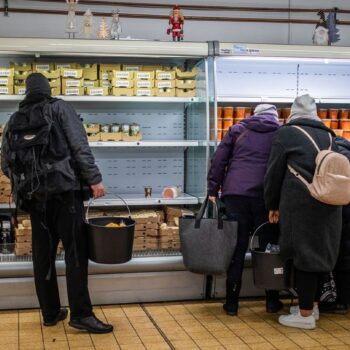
<point>240,112</point>
<point>285,113</point>
<point>346,134</point>
<point>327,122</point>
<point>220,123</point>
<point>219,136</point>
<point>238,120</point>
<point>333,114</point>
<point>334,124</point>
<point>339,132</point>
<point>345,124</point>
<point>219,112</point>
<point>322,113</point>
<point>227,123</point>
<point>113,224</point>
<point>344,114</point>
<point>228,112</point>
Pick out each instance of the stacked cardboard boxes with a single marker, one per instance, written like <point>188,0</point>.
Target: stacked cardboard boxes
<point>6,81</point>
<point>23,236</point>
<point>5,189</point>
<point>186,83</point>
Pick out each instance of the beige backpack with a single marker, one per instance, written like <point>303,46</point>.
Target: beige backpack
<point>331,181</point>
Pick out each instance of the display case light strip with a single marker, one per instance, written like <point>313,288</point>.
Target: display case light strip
<point>288,59</point>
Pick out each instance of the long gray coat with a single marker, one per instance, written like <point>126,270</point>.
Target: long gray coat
<point>310,230</point>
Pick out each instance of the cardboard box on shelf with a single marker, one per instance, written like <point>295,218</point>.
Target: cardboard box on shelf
<point>22,75</point>
<point>132,67</point>
<point>56,91</point>
<point>153,68</point>
<point>68,82</point>
<point>144,84</point>
<point>105,69</point>
<point>21,67</point>
<point>55,83</point>
<point>66,65</point>
<point>42,66</point>
<point>131,138</point>
<point>122,83</point>
<point>6,72</point>
<point>72,91</point>
<point>122,92</point>
<point>185,84</point>
<point>52,74</point>
<point>165,84</point>
<point>111,136</point>
<point>6,81</point>
<point>165,92</point>
<point>105,83</point>
<point>96,91</point>
<point>146,226</point>
<point>94,137</point>
<point>187,74</point>
<point>144,75</point>
<point>6,90</point>
<point>144,92</point>
<point>90,71</point>
<point>19,251</point>
<point>186,93</point>
<point>71,73</point>
<point>118,74</point>
<point>20,90</point>
<point>92,128</point>
<point>165,75</point>
<point>178,212</point>
<point>92,83</point>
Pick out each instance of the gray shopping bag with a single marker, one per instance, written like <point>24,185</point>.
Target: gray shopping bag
<point>207,245</point>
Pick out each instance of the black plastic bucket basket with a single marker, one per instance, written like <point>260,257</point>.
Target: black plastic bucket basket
<point>110,245</point>
<point>270,271</point>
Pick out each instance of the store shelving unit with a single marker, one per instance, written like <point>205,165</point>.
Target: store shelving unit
<point>173,152</point>
<point>250,74</point>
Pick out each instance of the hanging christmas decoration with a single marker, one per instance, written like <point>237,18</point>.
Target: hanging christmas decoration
<point>88,24</point>
<point>176,24</point>
<point>116,28</point>
<point>104,31</point>
<point>71,24</point>
<point>333,31</point>
<point>320,36</point>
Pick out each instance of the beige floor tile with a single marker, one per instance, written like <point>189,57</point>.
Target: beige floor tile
<point>249,339</point>
<point>338,347</point>
<point>56,345</point>
<point>160,346</point>
<point>147,332</point>
<point>132,347</point>
<point>201,335</point>
<point>107,347</point>
<point>122,340</point>
<point>237,347</point>
<point>79,343</point>
<point>219,347</point>
<point>329,340</point>
<point>31,346</point>
<point>9,347</point>
<point>152,339</point>
<point>207,342</point>
<point>183,343</point>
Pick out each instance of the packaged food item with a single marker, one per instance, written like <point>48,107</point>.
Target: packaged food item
<point>286,113</point>
<point>327,122</point>
<point>166,92</point>
<point>240,112</point>
<point>66,65</point>
<point>144,84</point>
<point>185,84</point>
<point>50,74</point>
<point>115,127</point>
<point>165,84</point>
<point>144,75</point>
<point>122,83</point>
<point>322,113</point>
<point>187,74</point>
<point>334,124</point>
<point>333,114</point>
<point>171,192</point>
<point>90,71</point>
<point>93,83</point>
<point>71,73</point>
<point>132,67</point>
<point>43,66</point>
<point>344,114</point>
<point>68,82</point>
<point>119,75</point>
<point>92,128</point>
<point>344,124</point>
<point>97,91</point>
<point>144,92</point>
<point>6,90</point>
<point>72,91</point>
<point>220,123</point>
<point>106,128</point>
<point>219,111</point>
<point>22,75</point>
<point>185,92</point>
<point>6,81</point>
<point>20,90</point>
<point>165,75</point>
<point>228,112</point>
<point>125,128</point>
<point>134,129</point>
<point>21,67</point>
<point>148,191</point>
<point>227,123</point>
<point>122,92</point>
<point>116,225</point>
<point>7,72</point>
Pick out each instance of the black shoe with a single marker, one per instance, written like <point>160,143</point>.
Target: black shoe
<point>333,308</point>
<point>231,309</point>
<point>274,307</point>
<point>62,315</point>
<point>91,324</point>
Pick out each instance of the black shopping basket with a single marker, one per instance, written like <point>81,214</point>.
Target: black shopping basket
<point>110,245</point>
<point>270,271</point>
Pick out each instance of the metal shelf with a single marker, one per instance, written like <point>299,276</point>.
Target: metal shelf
<point>279,100</point>
<point>138,200</point>
<point>180,143</point>
<point>16,98</point>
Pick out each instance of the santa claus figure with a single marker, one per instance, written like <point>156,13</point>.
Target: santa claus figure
<point>176,24</point>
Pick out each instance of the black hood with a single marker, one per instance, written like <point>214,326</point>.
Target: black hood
<point>311,123</point>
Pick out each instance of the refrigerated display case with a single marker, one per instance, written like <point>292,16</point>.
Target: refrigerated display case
<point>172,152</point>
<point>249,74</point>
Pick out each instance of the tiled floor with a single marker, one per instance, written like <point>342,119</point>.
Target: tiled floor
<point>192,325</point>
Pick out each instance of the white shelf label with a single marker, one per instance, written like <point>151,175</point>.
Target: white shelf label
<point>5,72</point>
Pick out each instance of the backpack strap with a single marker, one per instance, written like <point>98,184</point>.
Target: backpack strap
<point>308,136</point>
<point>296,174</point>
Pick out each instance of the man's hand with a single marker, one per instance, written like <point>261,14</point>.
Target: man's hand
<point>212,199</point>
<point>274,216</point>
<point>98,190</point>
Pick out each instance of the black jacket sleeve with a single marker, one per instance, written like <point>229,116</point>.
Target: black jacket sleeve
<point>4,153</point>
<point>75,134</point>
<point>275,174</point>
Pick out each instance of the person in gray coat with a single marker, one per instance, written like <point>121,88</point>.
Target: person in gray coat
<point>310,230</point>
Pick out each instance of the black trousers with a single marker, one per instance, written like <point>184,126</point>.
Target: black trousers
<point>62,218</point>
<point>309,286</point>
<point>342,282</point>
<point>250,214</point>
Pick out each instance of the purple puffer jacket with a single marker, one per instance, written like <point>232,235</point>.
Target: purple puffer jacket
<point>239,167</point>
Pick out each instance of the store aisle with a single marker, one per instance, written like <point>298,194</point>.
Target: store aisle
<point>192,325</point>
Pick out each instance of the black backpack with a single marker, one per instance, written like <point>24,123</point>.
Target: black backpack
<point>39,156</point>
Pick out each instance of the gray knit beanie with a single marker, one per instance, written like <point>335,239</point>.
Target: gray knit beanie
<point>264,109</point>
<point>304,106</point>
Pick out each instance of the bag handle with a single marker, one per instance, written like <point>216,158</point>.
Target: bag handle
<point>255,232</point>
<point>200,214</point>
<point>93,200</point>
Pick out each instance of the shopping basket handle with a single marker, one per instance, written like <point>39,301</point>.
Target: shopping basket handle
<point>255,232</point>
<point>115,195</point>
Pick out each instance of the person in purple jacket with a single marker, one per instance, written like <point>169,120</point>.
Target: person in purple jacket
<point>238,169</point>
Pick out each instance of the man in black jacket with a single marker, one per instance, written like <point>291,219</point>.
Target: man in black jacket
<point>60,215</point>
